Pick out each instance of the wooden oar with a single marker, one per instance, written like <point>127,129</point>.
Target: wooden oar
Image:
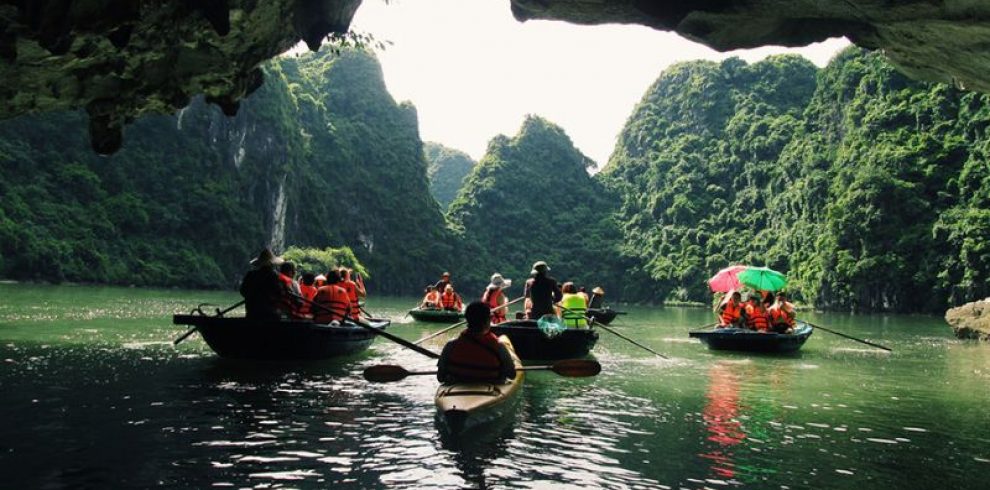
<point>571,368</point>
<point>617,334</point>
<point>192,330</point>
<point>377,331</point>
<point>462,322</point>
<point>840,334</point>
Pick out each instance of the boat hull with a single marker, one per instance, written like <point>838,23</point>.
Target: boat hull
<point>243,338</point>
<point>603,316</point>
<point>436,316</point>
<point>532,344</point>
<point>462,407</point>
<point>740,339</point>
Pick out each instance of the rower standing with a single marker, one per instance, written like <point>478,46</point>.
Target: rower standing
<point>544,292</point>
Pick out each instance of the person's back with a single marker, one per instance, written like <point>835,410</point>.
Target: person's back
<point>573,307</point>
<point>333,302</point>
<point>261,288</point>
<point>476,354</point>
<point>544,291</point>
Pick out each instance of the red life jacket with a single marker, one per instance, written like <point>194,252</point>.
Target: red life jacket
<point>308,292</point>
<point>730,313</point>
<point>756,319</point>
<point>493,298</point>
<point>450,301</point>
<point>333,298</point>
<point>474,357</point>
<point>288,303</point>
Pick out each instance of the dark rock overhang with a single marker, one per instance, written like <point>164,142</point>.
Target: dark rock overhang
<point>928,40</point>
<point>120,59</point>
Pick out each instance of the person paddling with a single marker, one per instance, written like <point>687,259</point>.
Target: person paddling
<point>260,287</point>
<point>476,354</point>
<point>544,291</point>
<point>494,298</point>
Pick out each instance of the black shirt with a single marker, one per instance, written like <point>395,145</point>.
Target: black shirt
<point>544,292</point>
<point>262,292</point>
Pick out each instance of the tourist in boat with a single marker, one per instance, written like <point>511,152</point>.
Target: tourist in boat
<point>583,292</point>
<point>782,314</point>
<point>597,300</point>
<point>573,307</point>
<point>757,317</point>
<point>444,281</point>
<point>494,298</point>
<point>476,354</point>
<point>431,301</point>
<point>359,281</point>
<point>544,291</point>
<point>320,281</point>
<point>730,311</point>
<point>450,300</point>
<point>307,287</point>
<point>332,303</point>
<point>261,288</point>
<point>352,292</point>
<point>291,303</point>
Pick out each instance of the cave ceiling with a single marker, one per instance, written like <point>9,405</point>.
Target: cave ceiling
<point>120,59</point>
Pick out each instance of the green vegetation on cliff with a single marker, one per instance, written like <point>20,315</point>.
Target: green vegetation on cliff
<point>867,188</point>
<point>446,170</point>
<point>320,156</point>
<point>531,198</point>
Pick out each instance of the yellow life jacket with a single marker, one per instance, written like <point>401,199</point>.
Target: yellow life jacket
<point>575,306</point>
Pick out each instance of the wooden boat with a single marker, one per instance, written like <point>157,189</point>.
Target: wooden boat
<point>463,406</point>
<point>436,316</point>
<point>602,315</point>
<point>531,343</point>
<point>742,339</point>
<point>244,338</point>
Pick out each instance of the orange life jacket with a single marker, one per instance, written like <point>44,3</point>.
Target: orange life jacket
<point>352,295</point>
<point>493,298</point>
<point>336,304</point>
<point>757,319</point>
<point>308,292</point>
<point>474,357</point>
<point>731,313</point>
<point>288,303</point>
<point>450,301</point>
<point>432,299</point>
<point>779,315</point>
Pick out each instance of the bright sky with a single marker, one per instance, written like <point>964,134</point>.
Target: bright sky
<point>473,71</point>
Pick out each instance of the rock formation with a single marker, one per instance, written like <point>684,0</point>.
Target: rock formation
<point>971,320</point>
<point>932,41</point>
<point>120,59</point>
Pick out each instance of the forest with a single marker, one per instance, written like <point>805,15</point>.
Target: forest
<point>868,189</point>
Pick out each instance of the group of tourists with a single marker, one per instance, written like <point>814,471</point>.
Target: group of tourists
<point>272,291</point>
<point>759,312</point>
<point>543,296</point>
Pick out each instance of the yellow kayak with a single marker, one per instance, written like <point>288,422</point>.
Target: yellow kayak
<point>461,406</point>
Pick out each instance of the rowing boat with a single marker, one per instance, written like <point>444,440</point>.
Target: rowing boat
<point>531,343</point>
<point>742,339</point>
<point>248,338</point>
<point>463,406</point>
<point>436,316</point>
<point>601,315</point>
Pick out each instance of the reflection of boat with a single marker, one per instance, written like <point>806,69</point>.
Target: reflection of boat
<point>531,343</point>
<point>752,341</point>
<point>244,338</point>
<point>461,406</point>
<point>721,416</point>
<point>436,316</point>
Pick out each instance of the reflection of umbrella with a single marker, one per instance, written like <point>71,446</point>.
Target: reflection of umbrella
<point>763,278</point>
<point>725,280</point>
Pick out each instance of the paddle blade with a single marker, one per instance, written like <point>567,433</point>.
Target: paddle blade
<point>577,368</point>
<point>385,373</point>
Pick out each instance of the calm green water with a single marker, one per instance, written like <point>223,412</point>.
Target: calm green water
<point>95,396</point>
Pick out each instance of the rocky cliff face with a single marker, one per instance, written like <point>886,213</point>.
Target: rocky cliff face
<point>971,320</point>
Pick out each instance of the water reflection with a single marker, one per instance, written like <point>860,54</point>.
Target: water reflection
<point>721,417</point>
